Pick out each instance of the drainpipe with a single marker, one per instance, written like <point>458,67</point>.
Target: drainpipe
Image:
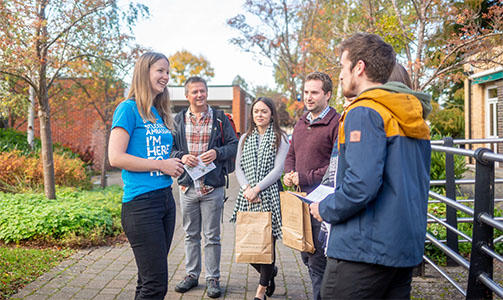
<point>470,114</point>
<point>470,108</point>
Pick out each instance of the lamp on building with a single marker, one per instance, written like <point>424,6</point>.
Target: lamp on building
<point>248,100</point>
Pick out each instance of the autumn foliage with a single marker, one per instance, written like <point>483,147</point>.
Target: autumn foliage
<point>184,64</point>
<point>20,173</point>
<point>434,39</point>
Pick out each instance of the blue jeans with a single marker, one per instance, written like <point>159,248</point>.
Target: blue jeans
<point>317,261</point>
<point>149,221</point>
<point>202,213</point>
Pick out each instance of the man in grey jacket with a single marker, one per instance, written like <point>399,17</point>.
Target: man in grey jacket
<point>204,133</point>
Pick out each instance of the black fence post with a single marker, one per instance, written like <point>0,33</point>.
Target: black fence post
<point>482,234</point>
<point>450,192</point>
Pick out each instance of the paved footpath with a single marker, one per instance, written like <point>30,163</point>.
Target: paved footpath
<point>110,272</point>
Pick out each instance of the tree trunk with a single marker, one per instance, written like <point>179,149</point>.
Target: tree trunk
<point>30,131</point>
<point>105,158</point>
<point>43,105</point>
<point>46,139</point>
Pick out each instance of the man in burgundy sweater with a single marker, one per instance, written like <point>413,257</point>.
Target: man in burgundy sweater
<point>308,158</point>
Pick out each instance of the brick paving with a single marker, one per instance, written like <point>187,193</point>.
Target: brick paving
<point>110,272</point>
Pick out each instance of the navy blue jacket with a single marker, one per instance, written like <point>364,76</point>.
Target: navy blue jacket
<point>378,210</point>
<point>225,147</point>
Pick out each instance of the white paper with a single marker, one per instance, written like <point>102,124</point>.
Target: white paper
<point>301,197</point>
<point>200,170</point>
<point>320,193</point>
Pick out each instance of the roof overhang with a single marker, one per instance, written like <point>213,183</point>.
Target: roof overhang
<point>487,75</point>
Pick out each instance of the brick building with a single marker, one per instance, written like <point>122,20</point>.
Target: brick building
<point>484,104</point>
<point>81,129</point>
<point>230,98</point>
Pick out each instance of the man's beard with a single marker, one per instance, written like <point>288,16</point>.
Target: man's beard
<point>350,92</point>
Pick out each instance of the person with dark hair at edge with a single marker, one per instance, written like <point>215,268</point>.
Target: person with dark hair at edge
<point>378,210</point>
<point>399,81</point>
<point>202,132</point>
<point>140,144</point>
<point>309,156</point>
<point>259,164</point>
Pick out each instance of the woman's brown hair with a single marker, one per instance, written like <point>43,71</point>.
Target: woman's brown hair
<point>278,132</point>
<point>399,74</point>
<point>141,91</point>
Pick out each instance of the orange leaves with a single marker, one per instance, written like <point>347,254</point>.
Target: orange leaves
<point>19,172</point>
<point>184,64</point>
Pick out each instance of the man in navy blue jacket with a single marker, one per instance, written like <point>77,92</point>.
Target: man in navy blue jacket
<point>378,209</point>
<point>205,133</point>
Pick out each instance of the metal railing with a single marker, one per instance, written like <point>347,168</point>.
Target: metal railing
<point>480,266</point>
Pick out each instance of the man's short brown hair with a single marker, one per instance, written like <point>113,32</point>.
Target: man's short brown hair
<point>194,79</point>
<point>324,78</point>
<point>378,56</point>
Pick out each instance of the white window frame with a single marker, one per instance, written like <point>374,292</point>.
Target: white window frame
<point>494,112</point>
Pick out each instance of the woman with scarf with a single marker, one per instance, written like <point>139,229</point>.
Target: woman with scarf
<point>259,164</point>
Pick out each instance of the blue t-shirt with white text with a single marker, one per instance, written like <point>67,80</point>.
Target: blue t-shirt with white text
<point>146,140</point>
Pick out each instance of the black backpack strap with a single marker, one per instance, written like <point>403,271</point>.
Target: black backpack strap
<point>219,119</point>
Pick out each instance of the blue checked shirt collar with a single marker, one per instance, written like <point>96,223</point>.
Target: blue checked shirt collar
<point>309,116</point>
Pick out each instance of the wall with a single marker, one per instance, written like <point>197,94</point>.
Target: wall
<point>478,111</point>
<point>77,128</point>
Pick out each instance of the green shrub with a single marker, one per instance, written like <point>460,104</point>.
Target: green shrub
<point>14,140</point>
<point>447,121</point>
<point>437,167</point>
<point>75,215</point>
<point>440,233</point>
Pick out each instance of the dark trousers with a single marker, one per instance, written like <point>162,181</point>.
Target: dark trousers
<point>149,221</point>
<point>266,270</point>
<point>316,261</point>
<point>356,280</point>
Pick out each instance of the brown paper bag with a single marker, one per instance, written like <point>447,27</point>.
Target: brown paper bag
<point>296,223</point>
<point>254,237</point>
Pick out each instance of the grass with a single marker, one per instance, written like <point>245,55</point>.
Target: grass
<point>20,266</point>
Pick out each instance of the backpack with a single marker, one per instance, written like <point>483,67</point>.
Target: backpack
<point>229,116</point>
<point>230,164</point>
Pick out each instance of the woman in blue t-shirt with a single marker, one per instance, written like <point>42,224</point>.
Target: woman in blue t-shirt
<point>140,144</point>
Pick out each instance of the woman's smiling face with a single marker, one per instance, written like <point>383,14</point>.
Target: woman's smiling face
<point>159,76</point>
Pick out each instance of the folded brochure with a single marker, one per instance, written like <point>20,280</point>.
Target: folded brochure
<point>318,194</point>
<point>200,170</point>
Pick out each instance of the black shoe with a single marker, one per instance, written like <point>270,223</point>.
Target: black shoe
<point>213,288</point>
<point>269,290</point>
<point>257,298</point>
<point>186,284</point>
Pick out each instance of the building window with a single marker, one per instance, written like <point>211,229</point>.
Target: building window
<point>492,115</point>
<point>492,112</point>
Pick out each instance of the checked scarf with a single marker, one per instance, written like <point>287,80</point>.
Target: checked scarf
<point>257,161</point>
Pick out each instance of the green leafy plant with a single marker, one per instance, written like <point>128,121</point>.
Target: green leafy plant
<point>447,121</point>
<point>437,167</point>
<point>439,231</point>
<point>76,217</point>
<point>15,140</point>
